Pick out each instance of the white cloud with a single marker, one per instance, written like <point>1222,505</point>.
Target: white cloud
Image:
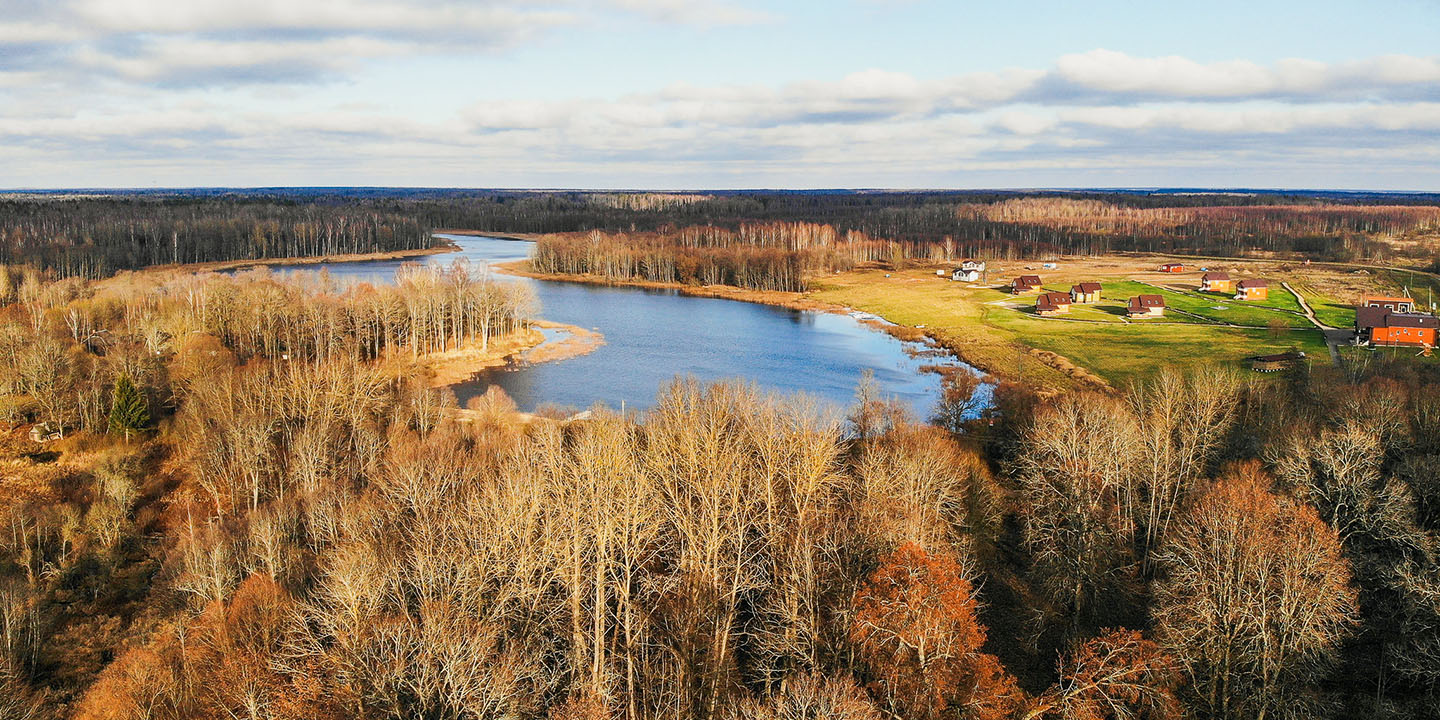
<point>1107,71</point>
<point>704,13</point>
<point>128,84</point>
<point>229,42</point>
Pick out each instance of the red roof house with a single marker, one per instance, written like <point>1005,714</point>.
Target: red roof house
<point>1024,284</point>
<point>1052,303</point>
<point>1252,290</point>
<point>1085,292</point>
<point>1216,282</point>
<point>1146,306</point>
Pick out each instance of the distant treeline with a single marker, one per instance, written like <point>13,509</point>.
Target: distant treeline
<point>761,256</point>
<point>989,224</point>
<point>98,236</point>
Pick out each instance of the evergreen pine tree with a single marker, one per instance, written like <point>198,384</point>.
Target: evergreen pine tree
<point>128,411</point>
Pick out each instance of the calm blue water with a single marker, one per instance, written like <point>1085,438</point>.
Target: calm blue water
<point>653,335</point>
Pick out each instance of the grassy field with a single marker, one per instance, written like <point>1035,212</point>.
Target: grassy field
<point>988,326</point>
<point>1121,353</point>
<point>1220,308</point>
<point>1328,309</point>
<point>996,330</point>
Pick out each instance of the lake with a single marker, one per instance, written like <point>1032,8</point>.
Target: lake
<point>651,336</point>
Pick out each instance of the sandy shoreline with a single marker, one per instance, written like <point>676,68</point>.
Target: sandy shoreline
<point>574,342</point>
<point>528,346</point>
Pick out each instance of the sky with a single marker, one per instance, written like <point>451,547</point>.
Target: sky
<point>716,94</point>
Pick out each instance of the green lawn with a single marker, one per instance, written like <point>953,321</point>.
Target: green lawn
<point>1327,309</point>
<point>1212,306</point>
<point>1123,352</point>
<point>988,334</point>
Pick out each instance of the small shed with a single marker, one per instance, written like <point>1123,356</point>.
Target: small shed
<point>44,432</point>
<point>1172,268</point>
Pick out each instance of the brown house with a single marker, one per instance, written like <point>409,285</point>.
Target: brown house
<point>1085,292</point>
<point>1146,306</point>
<point>1052,303</point>
<point>1252,290</point>
<point>1217,282</point>
<point>1024,284</point>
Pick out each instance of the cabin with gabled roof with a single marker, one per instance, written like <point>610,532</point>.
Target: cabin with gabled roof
<point>1216,282</point>
<point>1085,292</point>
<point>1052,303</point>
<point>1024,284</point>
<point>1143,306</point>
<point>1252,289</point>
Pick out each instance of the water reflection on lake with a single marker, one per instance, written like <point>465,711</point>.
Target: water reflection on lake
<point>653,335</point>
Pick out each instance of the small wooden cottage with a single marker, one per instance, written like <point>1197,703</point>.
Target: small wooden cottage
<point>1216,282</point>
<point>1146,306</point>
<point>1172,268</point>
<point>963,275</point>
<point>1052,303</point>
<point>1252,290</point>
<point>1024,284</point>
<point>1085,292</point>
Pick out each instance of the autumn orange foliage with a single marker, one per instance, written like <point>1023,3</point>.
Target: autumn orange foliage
<point>1118,674</point>
<point>916,628</point>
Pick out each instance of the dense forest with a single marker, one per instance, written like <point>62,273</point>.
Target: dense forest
<point>255,511</point>
<point>64,344</point>
<point>760,256</point>
<point>96,234</point>
<point>92,236</point>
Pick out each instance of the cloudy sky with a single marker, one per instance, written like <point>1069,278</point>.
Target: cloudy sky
<point>720,93</point>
